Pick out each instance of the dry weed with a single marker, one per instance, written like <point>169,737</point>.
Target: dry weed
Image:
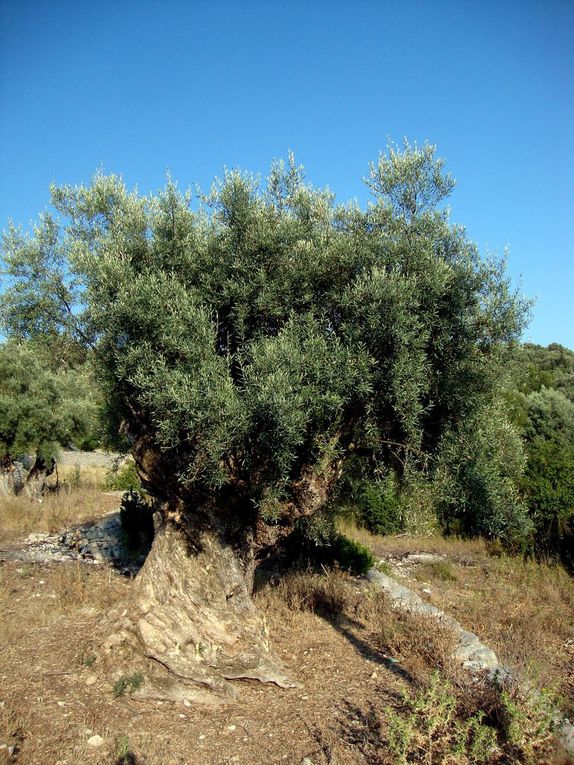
<point>403,544</point>
<point>82,476</point>
<point>20,516</point>
<point>332,593</point>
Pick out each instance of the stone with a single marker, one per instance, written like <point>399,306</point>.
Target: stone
<point>95,741</point>
<point>91,680</point>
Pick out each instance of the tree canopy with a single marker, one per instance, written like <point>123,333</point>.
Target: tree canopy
<point>253,343</point>
<point>248,347</point>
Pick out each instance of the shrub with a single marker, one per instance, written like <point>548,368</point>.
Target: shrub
<point>316,541</point>
<point>124,477</point>
<point>128,683</point>
<point>351,555</point>
<point>476,481</point>
<point>548,481</point>
<point>441,723</point>
<point>379,506</point>
<point>374,504</point>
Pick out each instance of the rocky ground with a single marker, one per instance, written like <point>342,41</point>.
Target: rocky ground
<point>101,542</point>
<point>60,704</point>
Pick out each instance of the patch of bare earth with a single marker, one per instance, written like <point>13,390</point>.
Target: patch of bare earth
<point>55,696</point>
<point>358,664</point>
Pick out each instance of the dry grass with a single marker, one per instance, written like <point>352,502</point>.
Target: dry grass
<point>438,715</point>
<point>82,476</point>
<point>524,610</point>
<point>403,544</point>
<point>368,674</point>
<point>332,593</point>
<point>20,516</point>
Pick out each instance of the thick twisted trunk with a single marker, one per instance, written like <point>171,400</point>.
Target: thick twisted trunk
<point>192,617</point>
<point>16,478</point>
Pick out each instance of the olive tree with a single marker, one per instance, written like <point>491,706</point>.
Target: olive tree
<point>40,409</point>
<point>247,348</point>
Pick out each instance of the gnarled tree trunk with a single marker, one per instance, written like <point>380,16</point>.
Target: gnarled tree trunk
<point>16,476</point>
<point>191,620</point>
<point>192,617</point>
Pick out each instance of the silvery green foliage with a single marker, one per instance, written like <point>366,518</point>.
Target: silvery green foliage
<point>479,467</point>
<point>41,408</point>
<point>271,330</point>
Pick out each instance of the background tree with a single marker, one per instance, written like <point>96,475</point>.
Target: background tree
<point>246,350</point>
<point>548,482</point>
<point>40,409</point>
<point>539,397</point>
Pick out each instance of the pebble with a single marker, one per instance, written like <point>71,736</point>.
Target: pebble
<point>95,741</point>
<point>91,680</point>
<point>61,703</point>
<point>231,727</point>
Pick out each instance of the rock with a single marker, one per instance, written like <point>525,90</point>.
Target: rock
<point>473,654</point>
<point>425,558</point>
<point>95,741</point>
<point>566,736</point>
<point>91,680</point>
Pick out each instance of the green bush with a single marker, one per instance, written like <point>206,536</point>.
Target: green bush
<point>316,542</point>
<point>124,478</point>
<point>378,507</point>
<point>351,555</point>
<point>476,480</point>
<point>374,504</point>
<point>128,684</point>
<point>549,487</point>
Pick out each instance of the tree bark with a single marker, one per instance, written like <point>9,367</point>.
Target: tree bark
<point>15,478</point>
<point>192,618</point>
<point>191,615</point>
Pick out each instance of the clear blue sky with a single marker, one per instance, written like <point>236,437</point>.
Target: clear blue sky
<point>140,88</point>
